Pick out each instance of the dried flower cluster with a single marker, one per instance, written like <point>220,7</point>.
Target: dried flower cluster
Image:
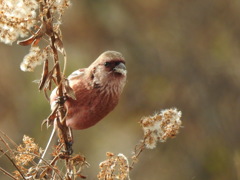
<point>35,57</point>
<point>161,126</point>
<point>24,157</point>
<point>26,152</point>
<point>115,167</point>
<point>20,18</point>
<point>17,17</point>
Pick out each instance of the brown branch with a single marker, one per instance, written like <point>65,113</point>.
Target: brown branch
<point>49,165</point>
<point>137,153</point>
<point>63,129</point>
<point>138,150</point>
<point>9,139</point>
<point>7,173</point>
<point>62,111</point>
<point>10,159</point>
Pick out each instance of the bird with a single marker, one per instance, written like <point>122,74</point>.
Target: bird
<point>97,90</point>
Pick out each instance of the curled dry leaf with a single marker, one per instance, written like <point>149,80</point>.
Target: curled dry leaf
<point>59,45</point>
<point>50,119</point>
<point>44,75</point>
<point>77,162</point>
<point>46,79</point>
<point>34,39</point>
<point>69,91</point>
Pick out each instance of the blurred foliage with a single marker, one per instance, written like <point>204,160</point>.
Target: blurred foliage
<point>182,54</point>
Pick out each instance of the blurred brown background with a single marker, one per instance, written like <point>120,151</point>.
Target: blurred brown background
<point>182,54</point>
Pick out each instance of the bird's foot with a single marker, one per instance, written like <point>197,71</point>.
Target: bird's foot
<point>61,100</point>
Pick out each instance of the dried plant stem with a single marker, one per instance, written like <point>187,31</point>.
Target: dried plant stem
<point>6,144</point>
<point>47,146</point>
<point>7,173</point>
<point>138,150</point>
<point>51,166</point>
<point>63,129</point>
<point>9,139</point>
<point>10,159</point>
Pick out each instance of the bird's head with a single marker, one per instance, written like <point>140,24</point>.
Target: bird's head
<point>109,69</point>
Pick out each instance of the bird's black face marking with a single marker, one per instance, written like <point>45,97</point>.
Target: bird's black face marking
<point>115,67</point>
<point>112,64</point>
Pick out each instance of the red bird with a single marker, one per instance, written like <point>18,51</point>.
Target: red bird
<point>97,90</point>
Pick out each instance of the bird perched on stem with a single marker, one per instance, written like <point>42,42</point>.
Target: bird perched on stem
<point>97,90</point>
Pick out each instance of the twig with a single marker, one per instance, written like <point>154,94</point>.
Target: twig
<point>138,150</point>
<point>50,165</point>
<point>136,155</point>
<point>62,112</point>
<point>8,138</point>
<point>6,144</point>
<point>7,173</point>
<point>51,137</point>
<point>13,164</point>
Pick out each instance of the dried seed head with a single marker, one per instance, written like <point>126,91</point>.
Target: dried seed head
<point>161,126</point>
<point>115,167</point>
<point>26,150</point>
<point>35,57</point>
<point>17,17</point>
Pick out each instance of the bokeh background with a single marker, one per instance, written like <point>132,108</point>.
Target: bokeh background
<point>182,54</point>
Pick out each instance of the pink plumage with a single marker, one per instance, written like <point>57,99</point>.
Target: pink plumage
<point>97,90</point>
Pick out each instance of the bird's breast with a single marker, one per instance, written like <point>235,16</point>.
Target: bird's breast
<point>90,106</point>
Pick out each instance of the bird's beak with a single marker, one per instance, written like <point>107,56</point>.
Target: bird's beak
<point>120,68</point>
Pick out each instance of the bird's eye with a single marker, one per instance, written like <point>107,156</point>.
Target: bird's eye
<point>107,64</point>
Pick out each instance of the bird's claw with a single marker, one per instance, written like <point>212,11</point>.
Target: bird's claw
<point>69,149</point>
<point>67,152</point>
<point>61,99</point>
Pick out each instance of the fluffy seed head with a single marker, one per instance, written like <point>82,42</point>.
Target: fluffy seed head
<point>161,126</point>
<point>35,57</point>
<point>17,17</point>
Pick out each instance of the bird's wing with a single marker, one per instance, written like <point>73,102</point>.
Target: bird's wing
<point>76,74</point>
